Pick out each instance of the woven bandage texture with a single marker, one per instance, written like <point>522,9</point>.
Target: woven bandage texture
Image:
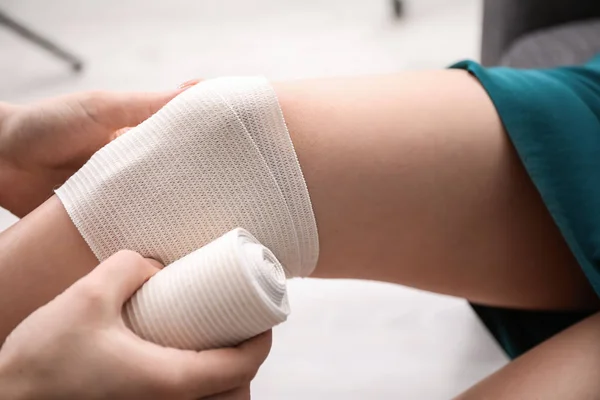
<point>216,157</point>
<point>228,291</point>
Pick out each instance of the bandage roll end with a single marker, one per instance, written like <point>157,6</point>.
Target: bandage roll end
<point>220,295</point>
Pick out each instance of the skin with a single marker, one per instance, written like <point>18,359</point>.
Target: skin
<point>78,358</point>
<point>42,255</point>
<point>41,145</point>
<point>44,143</point>
<point>564,367</point>
<point>439,203</point>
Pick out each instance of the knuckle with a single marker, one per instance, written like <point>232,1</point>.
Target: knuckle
<point>94,95</point>
<point>246,375</point>
<point>92,294</point>
<point>89,103</point>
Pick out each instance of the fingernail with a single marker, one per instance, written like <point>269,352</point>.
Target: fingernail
<point>121,131</point>
<point>188,84</point>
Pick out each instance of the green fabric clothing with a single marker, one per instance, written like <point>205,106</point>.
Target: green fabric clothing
<point>552,117</point>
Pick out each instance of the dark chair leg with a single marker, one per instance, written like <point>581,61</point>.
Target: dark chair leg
<point>20,29</point>
<point>398,6</point>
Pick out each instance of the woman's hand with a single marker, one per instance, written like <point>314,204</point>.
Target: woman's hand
<point>43,144</point>
<point>78,347</point>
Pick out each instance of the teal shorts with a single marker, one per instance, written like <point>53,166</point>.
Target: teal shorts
<point>552,117</point>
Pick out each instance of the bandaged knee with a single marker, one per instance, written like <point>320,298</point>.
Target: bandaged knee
<point>215,158</point>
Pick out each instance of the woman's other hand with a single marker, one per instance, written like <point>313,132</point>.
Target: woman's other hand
<point>44,143</point>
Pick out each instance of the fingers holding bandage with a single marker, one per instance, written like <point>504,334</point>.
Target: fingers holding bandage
<point>215,158</point>
<point>220,295</point>
<point>77,347</point>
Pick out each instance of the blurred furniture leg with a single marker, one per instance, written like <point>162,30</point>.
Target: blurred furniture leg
<point>398,6</point>
<point>75,63</point>
<point>508,24</point>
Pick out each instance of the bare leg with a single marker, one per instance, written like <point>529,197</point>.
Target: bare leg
<point>565,367</point>
<point>414,181</point>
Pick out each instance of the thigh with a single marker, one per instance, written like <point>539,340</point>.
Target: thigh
<point>414,181</point>
<point>565,367</point>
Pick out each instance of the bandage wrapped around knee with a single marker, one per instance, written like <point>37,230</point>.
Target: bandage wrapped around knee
<point>215,158</point>
<point>220,295</point>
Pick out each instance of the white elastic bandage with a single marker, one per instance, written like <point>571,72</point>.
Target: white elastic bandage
<point>216,157</point>
<point>228,291</point>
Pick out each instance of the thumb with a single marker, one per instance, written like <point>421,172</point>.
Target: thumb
<point>218,371</point>
<point>129,109</point>
<point>121,275</point>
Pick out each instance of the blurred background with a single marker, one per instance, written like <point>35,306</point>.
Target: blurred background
<point>156,44</point>
<point>344,340</point>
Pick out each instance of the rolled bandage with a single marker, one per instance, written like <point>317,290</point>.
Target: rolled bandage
<point>216,157</point>
<point>228,291</point>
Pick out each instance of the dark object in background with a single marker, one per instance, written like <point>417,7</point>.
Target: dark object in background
<point>540,33</point>
<point>23,31</point>
<point>398,6</point>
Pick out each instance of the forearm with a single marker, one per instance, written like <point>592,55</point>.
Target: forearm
<point>41,256</point>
